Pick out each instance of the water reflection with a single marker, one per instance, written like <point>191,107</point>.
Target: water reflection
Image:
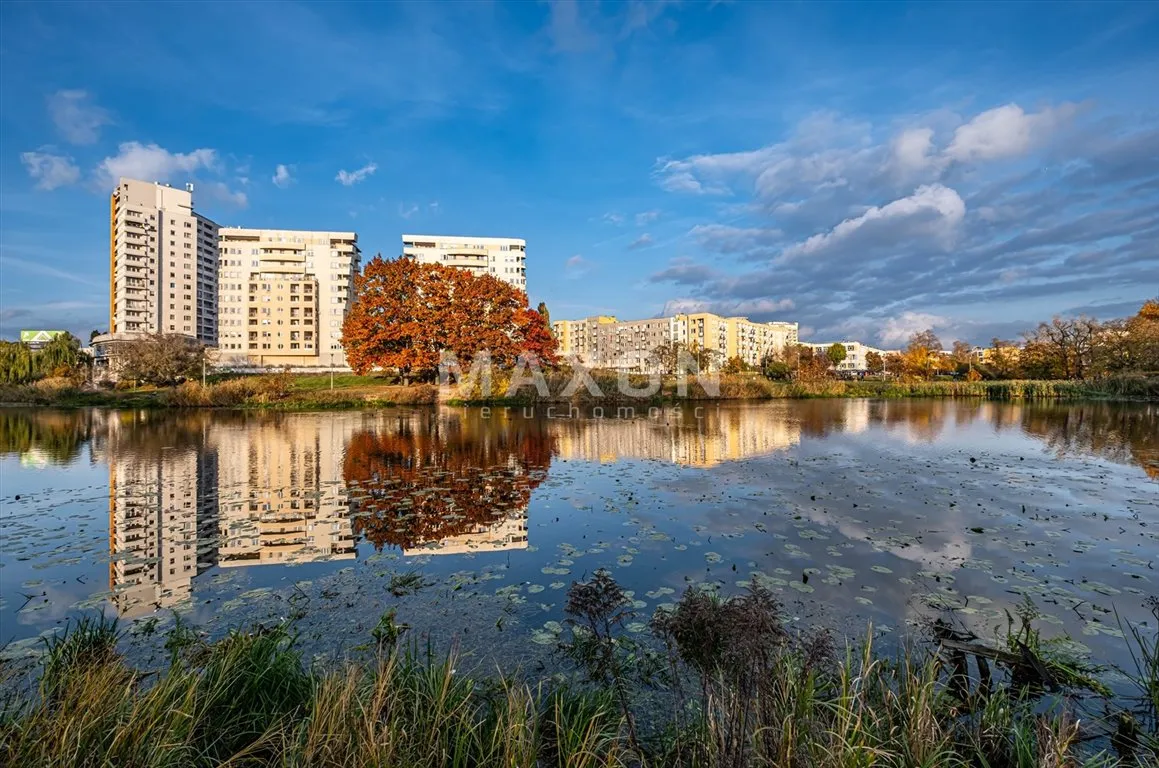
<point>190,492</point>
<point>446,483</point>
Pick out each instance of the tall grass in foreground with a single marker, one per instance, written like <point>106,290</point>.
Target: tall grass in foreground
<point>742,691</point>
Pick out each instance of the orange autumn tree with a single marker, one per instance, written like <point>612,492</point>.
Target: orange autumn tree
<point>406,314</point>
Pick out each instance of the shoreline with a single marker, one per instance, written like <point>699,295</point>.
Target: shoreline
<point>267,393</point>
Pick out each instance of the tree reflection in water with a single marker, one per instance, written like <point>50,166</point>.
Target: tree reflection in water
<point>428,481</point>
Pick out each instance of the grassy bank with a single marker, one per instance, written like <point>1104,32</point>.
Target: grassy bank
<point>273,392</point>
<point>313,392</point>
<point>756,387</point>
<point>738,689</point>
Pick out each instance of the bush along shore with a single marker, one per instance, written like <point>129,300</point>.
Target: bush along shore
<point>715,682</point>
<point>312,392</point>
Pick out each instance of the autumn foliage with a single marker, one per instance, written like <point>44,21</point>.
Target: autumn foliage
<point>406,314</point>
<point>423,483</point>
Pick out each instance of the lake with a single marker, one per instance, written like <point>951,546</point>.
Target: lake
<point>472,523</point>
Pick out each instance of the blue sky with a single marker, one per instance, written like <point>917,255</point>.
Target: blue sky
<point>867,170</point>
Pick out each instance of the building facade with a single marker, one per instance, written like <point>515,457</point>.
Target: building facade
<point>283,296</point>
<point>605,342</point>
<point>856,360</point>
<point>162,262</point>
<point>503,257</point>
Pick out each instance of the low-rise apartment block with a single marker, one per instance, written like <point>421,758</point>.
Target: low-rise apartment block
<point>503,257</point>
<point>855,361</point>
<point>605,342</point>
<point>284,295</point>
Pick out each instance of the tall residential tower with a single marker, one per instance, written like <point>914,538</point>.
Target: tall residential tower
<point>503,257</point>
<point>162,262</point>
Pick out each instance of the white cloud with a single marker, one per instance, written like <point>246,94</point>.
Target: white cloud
<point>50,171</point>
<point>677,176</point>
<point>76,117</point>
<point>613,218</point>
<point>728,239</point>
<point>350,178</point>
<point>406,211</point>
<point>760,307</point>
<point>282,176</point>
<point>642,241</point>
<point>1005,131</point>
<point>896,331</point>
<point>219,191</point>
<point>645,218</point>
<point>932,209</point>
<point>912,150</point>
<point>149,162</point>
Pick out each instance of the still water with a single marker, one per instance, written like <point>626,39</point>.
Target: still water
<point>856,512</point>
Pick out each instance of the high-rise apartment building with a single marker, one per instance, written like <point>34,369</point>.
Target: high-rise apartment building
<point>503,257</point>
<point>283,296</point>
<point>605,342</point>
<point>162,262</point>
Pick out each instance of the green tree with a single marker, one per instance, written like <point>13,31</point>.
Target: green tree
<point>836,354</point>
<point>16,363</point>
<point>542,310</point>
<point>60,357</point>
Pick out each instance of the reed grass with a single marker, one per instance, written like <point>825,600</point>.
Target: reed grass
<point>765,698</point>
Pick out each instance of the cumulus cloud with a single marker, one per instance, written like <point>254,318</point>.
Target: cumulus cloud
<point>282,177</point>
<point>350,178</point>
<point>755,309</point>
<point>149,162</point>
<point>220,191</point>
<point>50,171</point>
<point>896,331</point>
<point>1005,131</point>
<point>76,117</point>
<point>728,239</point>
<point>885,231</point>
<point>913,150</point>
<point>932,209</point>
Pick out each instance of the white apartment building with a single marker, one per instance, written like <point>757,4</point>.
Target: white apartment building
<point>855,354</point>
<point>503,257</point>
<point>605,342</point>
<point>162,262</point>
<point>283,295</point>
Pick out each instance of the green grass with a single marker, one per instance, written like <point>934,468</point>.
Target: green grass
<point>736,687</point>
<point>313,382</point>
<point>312,392</point>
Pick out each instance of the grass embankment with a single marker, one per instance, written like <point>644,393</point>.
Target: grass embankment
<point>313,392</point>
<point>742,690</point>
<point>274,392</point>
<point>757,387</point>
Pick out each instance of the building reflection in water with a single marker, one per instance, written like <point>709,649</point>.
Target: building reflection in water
<point>280,493</point>
<point>188,491</point>
<point>692,436</point>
